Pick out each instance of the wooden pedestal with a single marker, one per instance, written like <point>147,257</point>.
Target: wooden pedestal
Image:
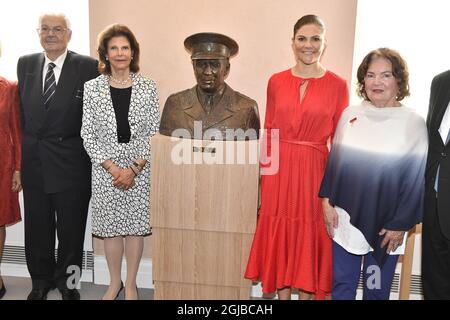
<point>203,216</point>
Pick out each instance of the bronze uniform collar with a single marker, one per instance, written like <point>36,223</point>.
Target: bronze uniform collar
<point>209,101</point>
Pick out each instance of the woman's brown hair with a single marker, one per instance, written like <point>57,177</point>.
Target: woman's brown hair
<point>399,71</point>
<point>116,30</point>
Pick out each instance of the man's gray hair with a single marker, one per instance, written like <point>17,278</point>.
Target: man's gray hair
<point>59,15</point>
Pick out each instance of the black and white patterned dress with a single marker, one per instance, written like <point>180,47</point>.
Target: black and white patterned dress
<point>118,212</point>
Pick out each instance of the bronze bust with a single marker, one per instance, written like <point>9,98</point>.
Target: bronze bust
<point>211,109</point>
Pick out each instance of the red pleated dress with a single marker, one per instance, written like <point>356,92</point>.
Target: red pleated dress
<point>291,247</point>
<point>10,151</point>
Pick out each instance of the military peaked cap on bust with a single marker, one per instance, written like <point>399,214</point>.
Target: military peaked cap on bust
<point>209,45</point>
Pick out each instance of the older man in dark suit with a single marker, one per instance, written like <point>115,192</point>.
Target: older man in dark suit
<point>436,223</point>
<point>211,109</point>
<point>55,167</point>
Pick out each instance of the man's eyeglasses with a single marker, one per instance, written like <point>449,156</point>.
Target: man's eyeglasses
<point>56,30</point>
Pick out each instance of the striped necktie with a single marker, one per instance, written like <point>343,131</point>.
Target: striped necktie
<point>49,86</point>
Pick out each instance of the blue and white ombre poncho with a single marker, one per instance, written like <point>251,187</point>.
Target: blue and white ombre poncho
<point>376,173</point>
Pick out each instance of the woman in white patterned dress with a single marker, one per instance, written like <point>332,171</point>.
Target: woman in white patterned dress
<point>120,114</point>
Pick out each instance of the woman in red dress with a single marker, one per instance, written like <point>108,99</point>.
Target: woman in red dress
<point>10,157</point>
<point>291,248</point>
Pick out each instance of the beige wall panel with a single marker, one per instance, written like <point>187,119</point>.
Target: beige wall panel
<point>262,28</point>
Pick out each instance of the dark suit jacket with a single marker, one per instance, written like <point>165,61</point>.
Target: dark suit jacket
<point>234,111</point>
<point>53,157</point>
<point>439,152</point>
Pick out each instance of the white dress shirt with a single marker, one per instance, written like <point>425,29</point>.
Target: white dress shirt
<point>445,125</point>
<point>352,240</point>
<point>59,62</point>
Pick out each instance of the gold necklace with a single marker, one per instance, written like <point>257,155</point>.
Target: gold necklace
<point>118,81</point>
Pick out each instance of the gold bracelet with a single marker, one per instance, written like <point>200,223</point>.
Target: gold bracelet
<point>109,167</point>
<point>138,166</point>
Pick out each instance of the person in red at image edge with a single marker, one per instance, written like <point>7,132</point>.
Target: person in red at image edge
<point>291,248</point>
<point>10,158</point>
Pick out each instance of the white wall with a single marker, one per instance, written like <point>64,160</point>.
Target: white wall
<point>18,35</point>
<point>417,29</point>
<point>19,21</point>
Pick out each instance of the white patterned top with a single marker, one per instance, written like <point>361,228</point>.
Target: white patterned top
<point>119,212</point>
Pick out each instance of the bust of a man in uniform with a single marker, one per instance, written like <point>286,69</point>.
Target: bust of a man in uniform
<point>211,109</point>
